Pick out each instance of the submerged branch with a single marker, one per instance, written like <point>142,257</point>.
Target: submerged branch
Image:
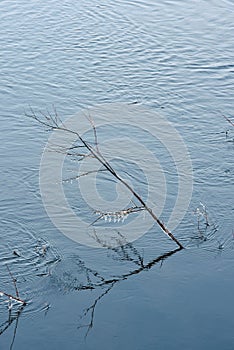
<point>54,123</point>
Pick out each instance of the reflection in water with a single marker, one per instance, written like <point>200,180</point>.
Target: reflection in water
<point>108,284</point>
<point>174,56</point>
<point>85,278</point>
<point>25,260</point>
<point>15,306</point>
<point>13,319</point>
<point>95,280</point>
<point>89,280</point>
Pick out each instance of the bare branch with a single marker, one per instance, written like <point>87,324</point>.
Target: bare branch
<point>51,122</point>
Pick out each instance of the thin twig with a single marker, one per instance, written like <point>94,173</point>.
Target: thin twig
<point>83,174</point>
<point>10,296</point>
<point>94,131</point>
<point>228,120</point>
<point>14,281</point>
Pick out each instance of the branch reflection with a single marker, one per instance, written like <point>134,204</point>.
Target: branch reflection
<point>13,319</point>
<point>126,252</point>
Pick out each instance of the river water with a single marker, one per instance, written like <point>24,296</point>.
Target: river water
<point>154,72</point>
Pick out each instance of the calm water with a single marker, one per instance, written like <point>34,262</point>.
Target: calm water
<point>176,58</point>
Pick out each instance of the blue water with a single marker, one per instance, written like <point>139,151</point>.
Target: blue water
<point>174,58</point>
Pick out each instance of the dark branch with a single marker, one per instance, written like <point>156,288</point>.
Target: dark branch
<point>52,123</point>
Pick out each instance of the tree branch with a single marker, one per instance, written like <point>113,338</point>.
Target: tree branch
<point>52,123</point>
